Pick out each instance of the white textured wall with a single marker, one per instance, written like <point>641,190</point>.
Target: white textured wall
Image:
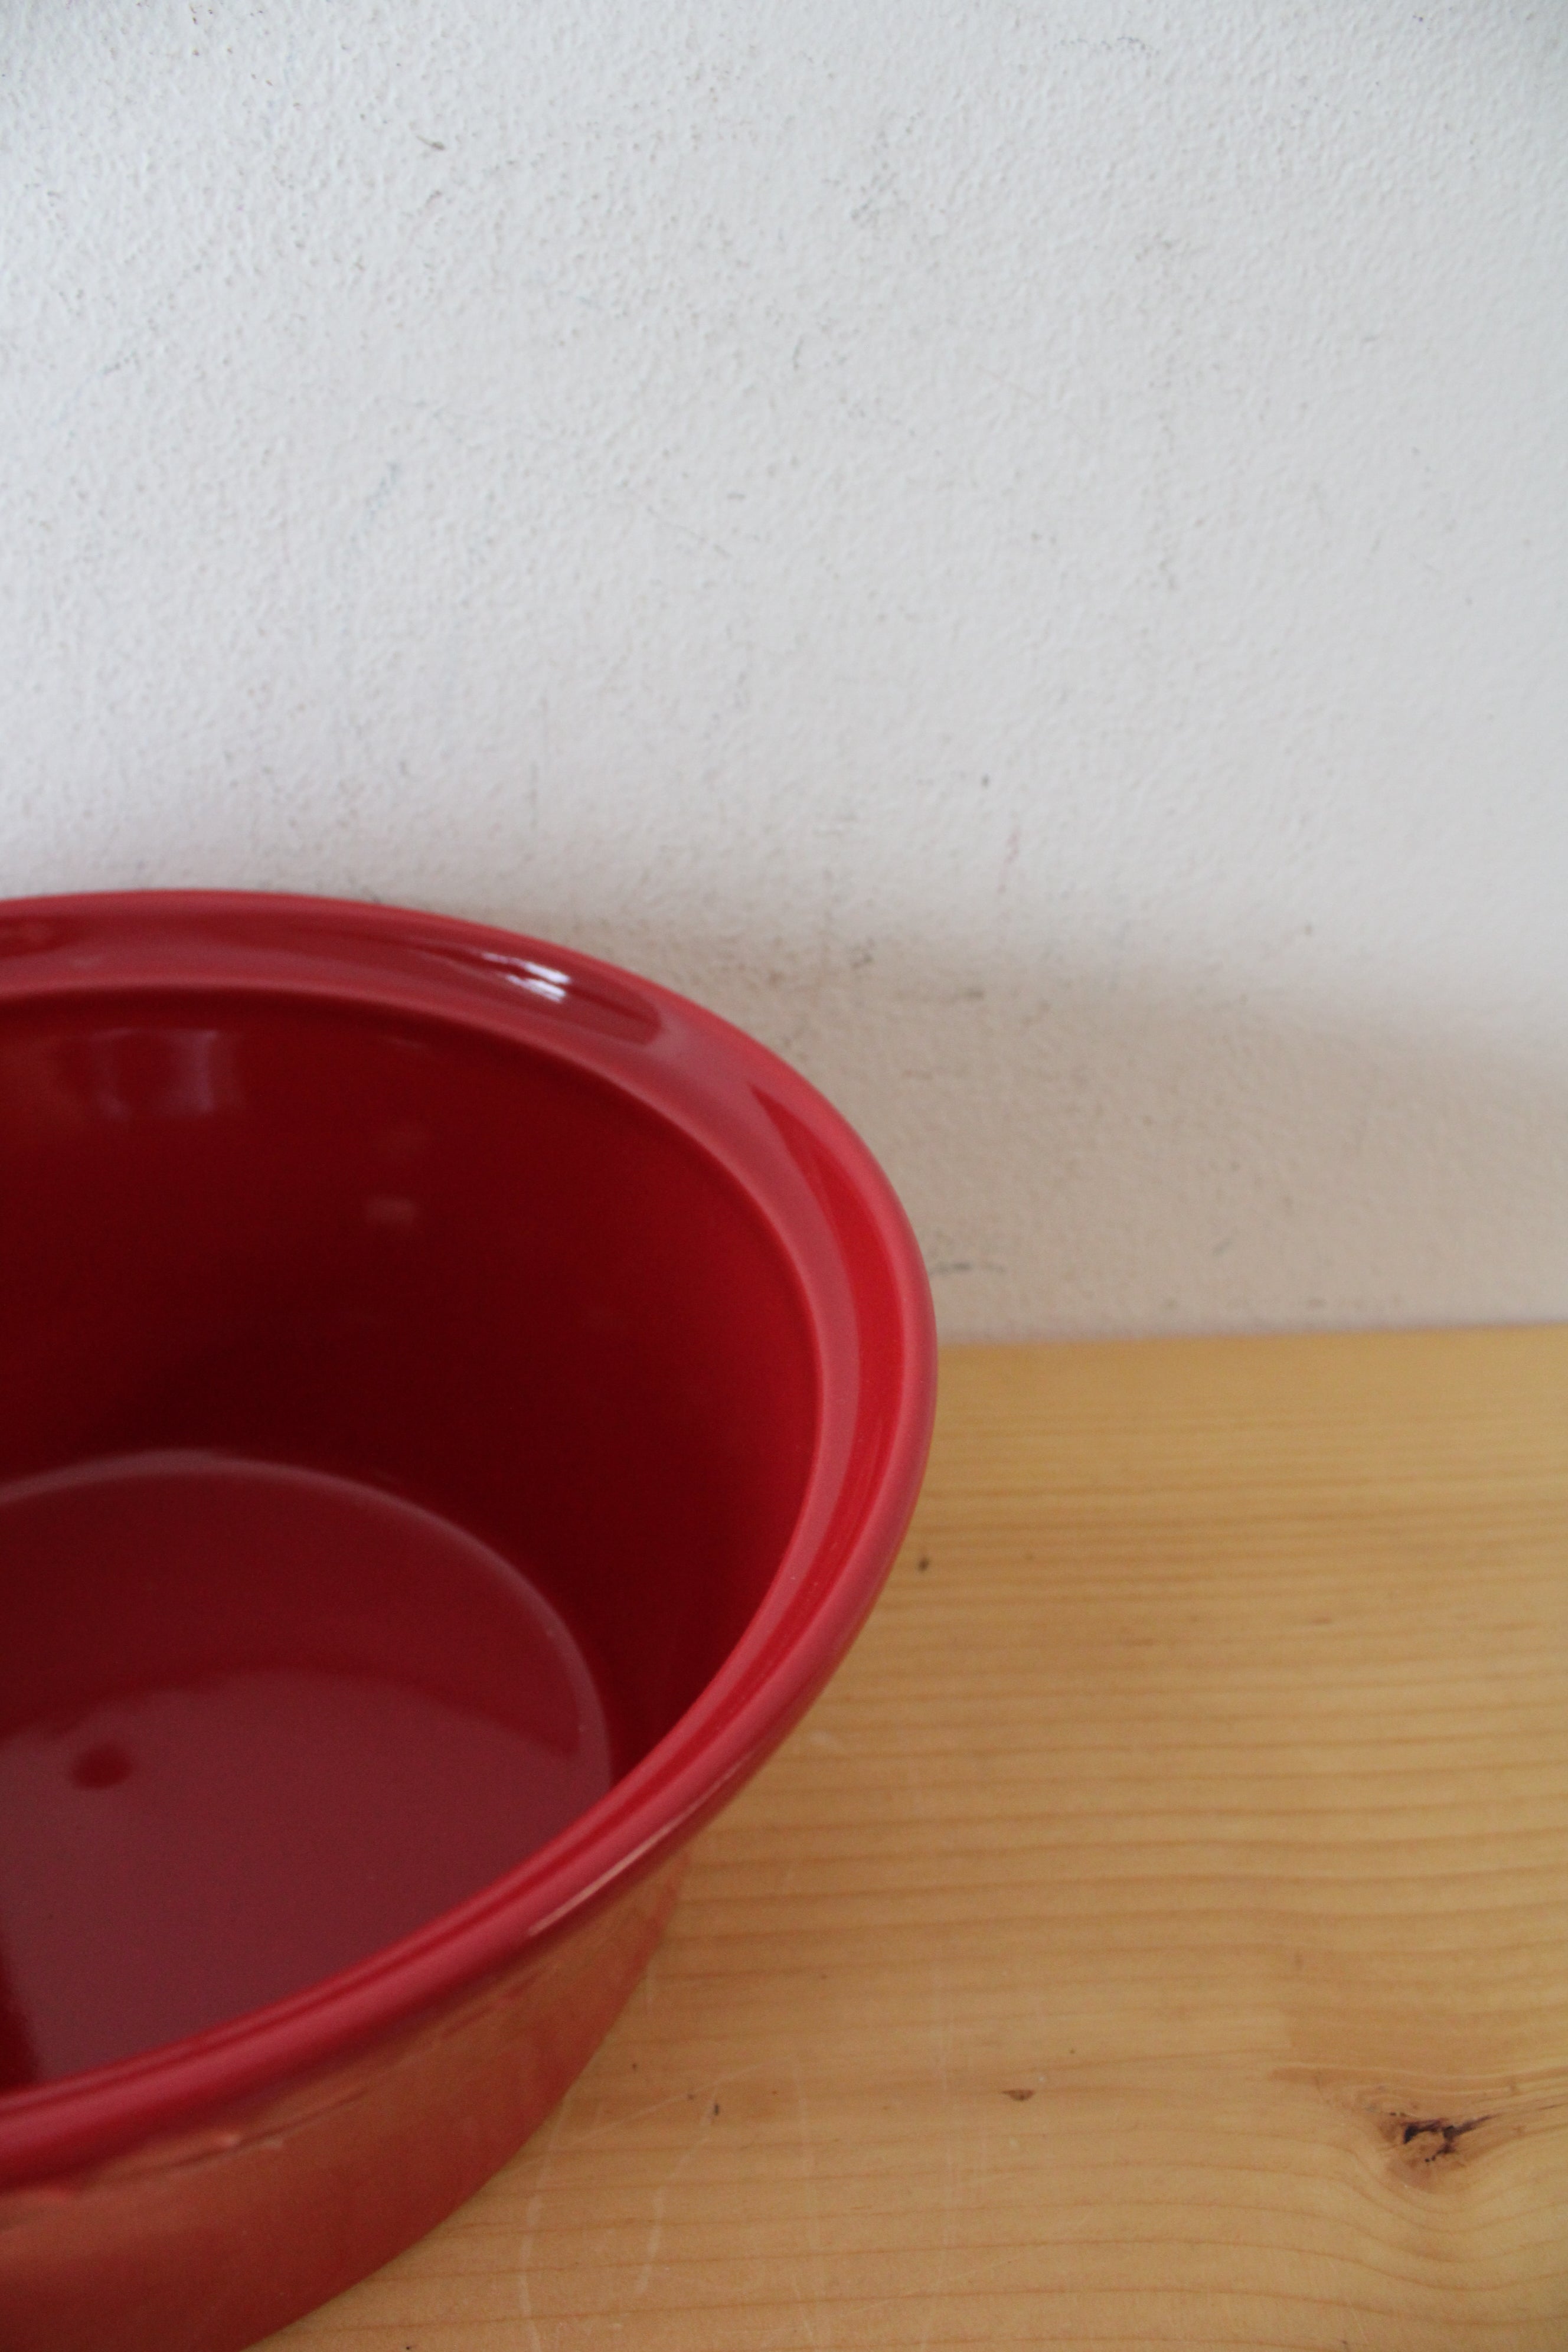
<point>1020,550</point>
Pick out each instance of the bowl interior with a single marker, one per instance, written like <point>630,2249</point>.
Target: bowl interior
<point>399,1425</point>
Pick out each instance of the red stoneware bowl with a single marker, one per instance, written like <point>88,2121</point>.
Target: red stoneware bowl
<point>456,1404</point>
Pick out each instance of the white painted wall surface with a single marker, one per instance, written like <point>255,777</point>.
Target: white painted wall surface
<point>1019,551</point>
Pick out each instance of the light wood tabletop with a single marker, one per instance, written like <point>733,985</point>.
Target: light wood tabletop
<point>1158,1935</point>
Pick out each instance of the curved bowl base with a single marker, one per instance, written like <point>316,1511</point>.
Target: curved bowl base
<point>325,2181</point>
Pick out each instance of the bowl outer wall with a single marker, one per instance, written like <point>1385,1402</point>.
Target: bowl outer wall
<point>207,2237</point>
<point>836,1223</point>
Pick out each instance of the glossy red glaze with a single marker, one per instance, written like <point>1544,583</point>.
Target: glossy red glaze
<point>456,1404</point>
<point>255,1724</point>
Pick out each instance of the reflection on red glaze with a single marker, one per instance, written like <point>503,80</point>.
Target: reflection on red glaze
<point>457,1403</point>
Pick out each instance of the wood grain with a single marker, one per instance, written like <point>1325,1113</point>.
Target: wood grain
<point>1158,1936</point>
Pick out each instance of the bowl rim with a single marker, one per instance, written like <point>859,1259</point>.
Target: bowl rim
<point>730,1096</point>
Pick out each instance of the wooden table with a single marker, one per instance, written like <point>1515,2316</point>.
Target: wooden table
<point>1157,1936</point>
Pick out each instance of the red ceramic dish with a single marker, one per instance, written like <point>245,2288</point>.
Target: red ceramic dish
<point>460,1403</point>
